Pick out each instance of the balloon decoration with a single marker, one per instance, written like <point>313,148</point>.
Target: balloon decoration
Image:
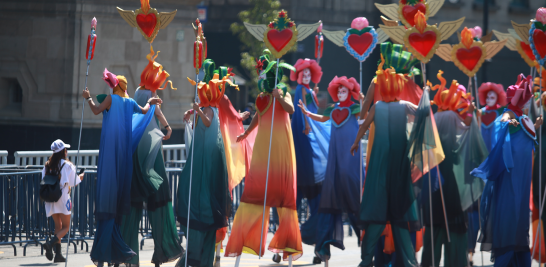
<point>537,36</point>
<point>471,51</point>
<point>147,20</point>
<point>281,34</point>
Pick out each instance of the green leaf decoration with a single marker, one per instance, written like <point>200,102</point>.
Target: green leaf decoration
<point>397,58</point>
<point>270,66</point>
<point>355,109</point>
<point>287,66</point>
<point>208,67</point>
<point>357,32</point>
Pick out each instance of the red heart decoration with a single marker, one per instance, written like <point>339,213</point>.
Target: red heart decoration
<point>360,43</point>
<point>539,38</point>
<point>409,12</point>
<point>279,39</point>
<point>527,49</point>
<point>340,115</point>
<point>469,57</point>
<point>489,117</point>
<point>147,23</point>
<point>422,42</point>
<point>263,102</point>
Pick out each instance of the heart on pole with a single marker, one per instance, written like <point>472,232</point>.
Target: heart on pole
<point>147,23</point>
<point>360,43</point>
<point>539,38</point>
<point>279,39</point>
<point>263,102</point>
<point>408,13</point>
<point>422,44</point>
<point>469,58</point>
<point>526,53</point>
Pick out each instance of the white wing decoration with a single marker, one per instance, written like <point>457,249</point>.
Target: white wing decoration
<point>444,52</point>
<point>514,34</point>
<point>434,6</point>
<point>381,36</point>
<point>335,36</point>
<point>492,48</point>
<point>305,30</point>
<point>510,41</point>
<point>448,28</point>
<point>396,33</point>
<point>257,30</point>
<point>522,30</point>
<point>128,16</point>
<point>390,10</point>
<point>166,18</point>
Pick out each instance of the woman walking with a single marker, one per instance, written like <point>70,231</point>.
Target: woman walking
<point>59,210</point>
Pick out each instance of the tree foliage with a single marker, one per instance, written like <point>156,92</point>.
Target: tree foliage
<point>261,12</point>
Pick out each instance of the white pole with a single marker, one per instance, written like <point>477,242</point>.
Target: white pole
<point>268,160</point>
<point>360,141</point>
<point>77,162</point>
<point>429,183</point>
<point>191,171</point>
<point>540,169</point>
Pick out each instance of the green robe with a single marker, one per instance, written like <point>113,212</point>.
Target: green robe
<point>150,185</point>
<point>210,196</point>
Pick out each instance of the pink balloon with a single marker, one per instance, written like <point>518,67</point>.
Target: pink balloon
<point>541,15</point>
<point>359,23</point>
<point>477,33</point>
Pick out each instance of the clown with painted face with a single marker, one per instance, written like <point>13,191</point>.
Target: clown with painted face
<point>493,98</point>
<point>311,141</point>
<point>507,171</point>
<point>340,190</point>
<point>461,140</point>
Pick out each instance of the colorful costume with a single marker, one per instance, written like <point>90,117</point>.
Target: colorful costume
<point>396,157</point>
<point>493,99</point>
<point>508,172</point>
<point>311,149</point>
<point>281,188</point>
<point>465,150</point>
<point>150,182</point>
<point>340,193</point>
<point>122,127</point>
<point>210,196</point>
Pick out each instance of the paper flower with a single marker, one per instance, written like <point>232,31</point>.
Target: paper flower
<point>541,15</point>
<point>359,23</point>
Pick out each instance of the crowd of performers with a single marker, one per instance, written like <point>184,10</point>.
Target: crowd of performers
<point>429,180</point>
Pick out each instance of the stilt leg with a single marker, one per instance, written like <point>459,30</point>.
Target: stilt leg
<point>217,259</point>
<point>325,263</point>
<point>290,261</point>
<point>237,261</point>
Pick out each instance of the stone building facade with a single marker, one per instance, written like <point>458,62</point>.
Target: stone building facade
<point>42,56</point>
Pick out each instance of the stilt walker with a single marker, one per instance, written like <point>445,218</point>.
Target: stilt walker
<point>242,237</point>
<point>391,164</point>
<point>340,193</point>
<point>508,173</point>
<point>89,54</point>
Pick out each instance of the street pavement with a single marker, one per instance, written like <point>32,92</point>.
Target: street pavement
<point>340,258</point>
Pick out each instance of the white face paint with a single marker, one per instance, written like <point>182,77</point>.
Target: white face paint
<point>342,93</point>
<point>306,78</point>
<point>491,99</point>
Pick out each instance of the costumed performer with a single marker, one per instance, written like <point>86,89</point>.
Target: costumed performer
<point>507,171</point>
<point>388,192</point>
<point>210,198</point>
<point>281,190</point>
<point>150,182</point>
<point>402,62</point>
<point>465,150</point>
<point>310,142</point>
<point>123,124</point>
<point>238,154</point>
<point>493,99</point>
<point>340,191</point>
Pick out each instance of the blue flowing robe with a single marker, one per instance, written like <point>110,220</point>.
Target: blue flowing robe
<point>122,128</point>
<point>505,199</point>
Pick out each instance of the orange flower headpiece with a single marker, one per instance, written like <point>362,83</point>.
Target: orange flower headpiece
<point>389,83</point>
<point>212,92</point>
<point>153,76</point>
<point>453,98</point>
